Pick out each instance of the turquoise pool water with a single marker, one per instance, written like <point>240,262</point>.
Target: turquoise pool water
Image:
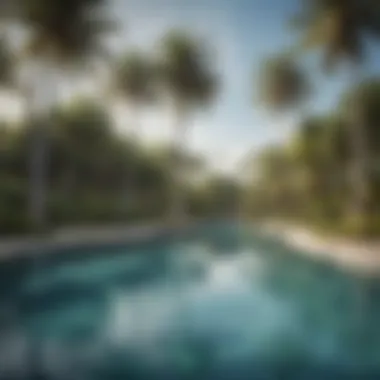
<point>216,303</point>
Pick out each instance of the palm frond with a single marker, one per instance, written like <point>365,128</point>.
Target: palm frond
<point>186,69</point>
<point>338,28</point>
<point>282,84</point>
<point>65,30</point>
<point>134,77</point>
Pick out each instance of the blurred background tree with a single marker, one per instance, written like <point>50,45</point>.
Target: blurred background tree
<point>187,78</point>
<point>339,29</point>
<point>63,35</point>
<point>65,163</point>
<point>133,81</point>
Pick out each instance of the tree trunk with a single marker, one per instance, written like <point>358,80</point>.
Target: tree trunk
<point>69,180</point>
<point>360,187</point>
<point>129,181</point>
<point>38,177</point>
<point>177,212</point>
<point>38,101</point>
<point>37,165</point>
<point>359,173</point>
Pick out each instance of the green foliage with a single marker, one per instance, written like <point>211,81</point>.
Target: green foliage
<point>89,167</point>
<point>363,99</point>
<point>186,70</point>
<point>13,207</point>
<point>339,28</point>
<point>329,167</point>
<point>216,197</point>
<point>282,83</point>
<point>134,78</point>
<point>64,30</point>
<point>307,178</point>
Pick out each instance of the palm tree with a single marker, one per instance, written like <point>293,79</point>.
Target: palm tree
<point>62,33</point>
<point>339,27</point>
<point>282,83</point>
<point>133,80</point>
<point>188,77</point>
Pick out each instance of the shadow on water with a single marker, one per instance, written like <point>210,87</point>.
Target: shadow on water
<point>214,304</point>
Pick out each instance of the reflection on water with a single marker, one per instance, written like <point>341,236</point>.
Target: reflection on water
<point>214,305</point>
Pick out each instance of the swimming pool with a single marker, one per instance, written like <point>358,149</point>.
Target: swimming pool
<point>219,302</point>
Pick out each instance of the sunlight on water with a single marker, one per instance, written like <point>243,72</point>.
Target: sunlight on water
<point>224,275</point>
<point>138,319</point>
<point>233,272</point>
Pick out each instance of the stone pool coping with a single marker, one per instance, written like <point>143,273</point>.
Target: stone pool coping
<point>79,237</point>
<point>357,256</point>
<point>83,237</point>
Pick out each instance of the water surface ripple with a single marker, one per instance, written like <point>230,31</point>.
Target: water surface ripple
<point>219,304</point>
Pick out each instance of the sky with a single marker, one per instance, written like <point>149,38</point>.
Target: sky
<point>241,34</point>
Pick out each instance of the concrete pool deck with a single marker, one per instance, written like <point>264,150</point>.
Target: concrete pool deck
<point>361,257</point>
